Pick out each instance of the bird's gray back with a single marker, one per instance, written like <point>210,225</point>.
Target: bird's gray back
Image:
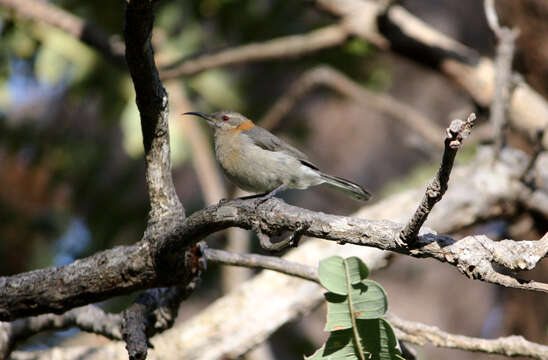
<point>266,140</point>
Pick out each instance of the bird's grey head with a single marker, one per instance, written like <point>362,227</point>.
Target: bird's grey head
<point>225,120</point>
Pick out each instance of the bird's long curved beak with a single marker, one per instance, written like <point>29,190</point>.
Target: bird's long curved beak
<point>208,117</point>
<point>205,116</point>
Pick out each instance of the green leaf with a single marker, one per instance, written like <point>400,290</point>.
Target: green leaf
<point>357,269</point>
<point>339,345</point>
<point>354,309</point>
<point>369,302</point>
<point>332,273</point>
<point>377,339</point>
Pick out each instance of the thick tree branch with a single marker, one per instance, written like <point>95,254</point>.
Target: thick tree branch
<point>153,107</point>
<point>108,45</point>
<point>289,46</point>
<point>456,133</point>
<point>412,332</point>
<point>154,309</point>
<point>89,318</point>
<point>270,300</point>
<point>480,192</point>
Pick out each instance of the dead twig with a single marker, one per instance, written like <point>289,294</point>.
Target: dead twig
<point>456,133</point>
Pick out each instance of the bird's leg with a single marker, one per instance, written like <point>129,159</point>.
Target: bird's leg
<point>262,196</point>
<point>271,194</point>
<point>249,197</point>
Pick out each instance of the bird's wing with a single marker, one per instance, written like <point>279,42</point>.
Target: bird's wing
<point>266,140</point>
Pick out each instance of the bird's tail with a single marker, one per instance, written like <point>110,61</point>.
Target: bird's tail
<point>353,189</point>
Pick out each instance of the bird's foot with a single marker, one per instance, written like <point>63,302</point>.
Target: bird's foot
<point>296,236</point>
<point>223,201</point>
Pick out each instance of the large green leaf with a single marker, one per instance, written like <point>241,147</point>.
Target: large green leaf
<point>333,273</point>
<point>368,299</point>
<point>356,269</point>
<point>338,346</point>
<point>377,340</point>
<point>354,309</point>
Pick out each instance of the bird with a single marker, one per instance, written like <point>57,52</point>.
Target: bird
<point>257,161</point>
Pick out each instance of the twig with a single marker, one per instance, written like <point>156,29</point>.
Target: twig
<point>456,133</point>
<point>262,262</point>
<point>421,334</point>
<point>111,47</point>
<point>289,46</point>
<point>503,74</point>
<point>333,79</point>
<point>89,318</point>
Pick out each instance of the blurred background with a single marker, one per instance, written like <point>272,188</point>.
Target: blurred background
<point>72,171</point>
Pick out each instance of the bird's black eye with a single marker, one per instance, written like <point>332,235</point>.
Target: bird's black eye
<point>225,118</point>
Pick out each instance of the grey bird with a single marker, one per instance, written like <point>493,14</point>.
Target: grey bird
<point>257,161</point>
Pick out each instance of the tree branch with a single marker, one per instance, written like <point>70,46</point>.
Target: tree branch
<point>108,45</point>
<point>152,102</point>
<point>503,74</point>
<point>412,332</point>
<point>89,318</point>
<point>262,262</point>
<point>147,266</point>
<point>420,334</point>
<point>288,46</point>
<point>154,309</point>
<point>270,300</point>
<point>456,133</point>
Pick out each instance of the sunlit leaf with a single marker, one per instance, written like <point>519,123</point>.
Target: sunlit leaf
<point>356,269</point>
<point>332,275</point>
<point>377,340</point>
<point>369,302</point>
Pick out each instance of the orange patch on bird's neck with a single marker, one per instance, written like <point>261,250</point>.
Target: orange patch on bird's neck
<point>245,125</point>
